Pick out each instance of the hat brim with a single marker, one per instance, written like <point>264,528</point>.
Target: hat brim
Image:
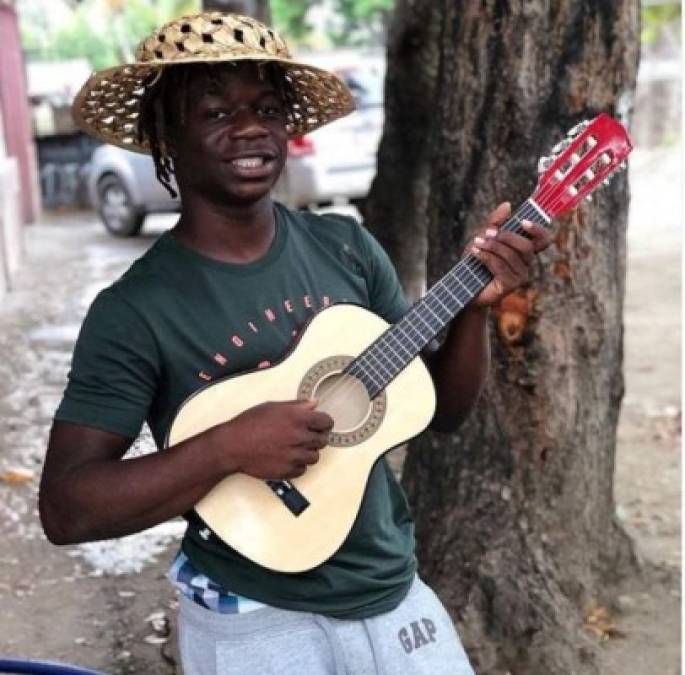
<point>108,104</point>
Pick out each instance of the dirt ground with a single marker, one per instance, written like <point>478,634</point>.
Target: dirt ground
<point>109,607</point>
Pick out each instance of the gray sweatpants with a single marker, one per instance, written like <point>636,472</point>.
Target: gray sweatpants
<point>416,638</point>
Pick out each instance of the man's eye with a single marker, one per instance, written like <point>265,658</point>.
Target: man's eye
<point>271,110</point>
<point>216,114</point>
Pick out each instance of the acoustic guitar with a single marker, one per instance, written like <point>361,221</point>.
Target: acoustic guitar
<point>369,377</point>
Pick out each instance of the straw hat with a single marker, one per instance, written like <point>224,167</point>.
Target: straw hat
<point>108,104</point>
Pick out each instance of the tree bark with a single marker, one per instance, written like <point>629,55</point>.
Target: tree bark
<point>400,194</point>
<point>515,513</point>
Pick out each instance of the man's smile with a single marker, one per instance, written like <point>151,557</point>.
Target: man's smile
<point>255,165</point>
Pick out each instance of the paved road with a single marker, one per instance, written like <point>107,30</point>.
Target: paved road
<point>76,606</point>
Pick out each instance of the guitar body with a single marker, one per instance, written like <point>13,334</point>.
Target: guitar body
<point>246,512</point>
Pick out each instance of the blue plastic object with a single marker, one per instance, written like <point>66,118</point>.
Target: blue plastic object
<point>21,667</point>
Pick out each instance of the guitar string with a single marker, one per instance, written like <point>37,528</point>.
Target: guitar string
<point>389,337</point>
<point>428,302</point>
<point>526,211</point>
<point>347,384</point>
<point>426,312</point>
<point>445,286</point>
<point>386,367</point>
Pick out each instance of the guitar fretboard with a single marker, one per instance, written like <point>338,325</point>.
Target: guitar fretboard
<point>385,358</point>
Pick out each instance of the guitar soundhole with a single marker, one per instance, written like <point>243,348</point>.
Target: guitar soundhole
<point>345,398</point>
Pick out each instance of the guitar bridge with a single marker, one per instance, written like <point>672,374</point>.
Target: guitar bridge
<point>293,499</point>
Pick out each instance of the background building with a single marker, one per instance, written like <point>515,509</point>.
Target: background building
<point>19,195</point>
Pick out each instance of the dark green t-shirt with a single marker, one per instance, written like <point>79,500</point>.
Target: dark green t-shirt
<point>177,320</point>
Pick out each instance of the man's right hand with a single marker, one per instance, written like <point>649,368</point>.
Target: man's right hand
<point>88,493</point>
<point>272,440</point>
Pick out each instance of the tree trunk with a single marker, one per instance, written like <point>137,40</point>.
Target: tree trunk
<point>259,9</point>
<point>515,513</point>
<point>400,194</point>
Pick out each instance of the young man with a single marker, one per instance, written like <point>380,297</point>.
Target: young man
<point>214,98</point>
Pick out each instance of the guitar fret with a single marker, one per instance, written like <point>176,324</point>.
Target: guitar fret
<point>417,312</point>
<point>449,292</point>
<point>386,362</point>
<point>404,322</point>
<point>391,334</point>
<point>375,351</point>
<point>423,334</point>
<point>438,309</point>
<point>442,304</point>
<point>386,341</point>
<point>372,355</point>
<point>367,372</point>
<point>423,305</point>
<point>463,283</point>
<point>396,347</point>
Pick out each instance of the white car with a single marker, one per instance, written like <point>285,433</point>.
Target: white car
<point>336,162</point>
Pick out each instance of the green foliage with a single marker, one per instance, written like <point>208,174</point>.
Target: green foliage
<point>362,10</point>
<point>362,20</point>
<point>290,17</point>
<point>106,32</point>
<point>355,21</point>
<point>656,17</point>
<point>103,31</point>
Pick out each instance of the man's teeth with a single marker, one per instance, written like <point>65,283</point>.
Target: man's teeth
<point>248,162</point>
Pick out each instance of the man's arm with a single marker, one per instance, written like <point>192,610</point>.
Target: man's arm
<point>460,366</point>
<point>88,492</point>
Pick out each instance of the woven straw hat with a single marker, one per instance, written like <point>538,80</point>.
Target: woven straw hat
<point>108,104</point>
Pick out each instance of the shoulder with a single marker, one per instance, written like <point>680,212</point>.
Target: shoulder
<point>322,225</point>
<point>140,284</point>
<point>352,245</point>
<point>121,311</point>
<point>340,234</point>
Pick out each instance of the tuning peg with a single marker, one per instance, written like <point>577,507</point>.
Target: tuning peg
<point>561,146</point>
<point>588,199</point>
<point>623,165</point>
<point>544,163</point>
<point>579,128</point>
<point>606,181</point>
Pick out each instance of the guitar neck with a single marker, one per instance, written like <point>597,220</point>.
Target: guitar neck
<point>385,358</point>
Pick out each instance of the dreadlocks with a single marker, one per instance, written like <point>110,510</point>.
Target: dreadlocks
<point>165,102</point>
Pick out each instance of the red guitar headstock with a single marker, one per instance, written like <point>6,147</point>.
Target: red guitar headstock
<point>591,152</point>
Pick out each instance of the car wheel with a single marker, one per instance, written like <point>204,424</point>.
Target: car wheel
<point>119,214</point>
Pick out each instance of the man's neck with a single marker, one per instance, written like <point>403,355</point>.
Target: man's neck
<point>236,233</point>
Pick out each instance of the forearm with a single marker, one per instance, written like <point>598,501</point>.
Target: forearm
<point>107,498</point>
<point>459,368</point>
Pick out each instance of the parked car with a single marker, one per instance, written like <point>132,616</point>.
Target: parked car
<point>337,162</point>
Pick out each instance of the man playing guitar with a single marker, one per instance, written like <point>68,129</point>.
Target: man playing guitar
<point>214,98</point>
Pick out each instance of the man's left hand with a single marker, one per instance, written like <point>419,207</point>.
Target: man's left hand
<point>508,256</point>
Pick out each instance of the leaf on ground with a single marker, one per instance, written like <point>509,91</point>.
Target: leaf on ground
<point>598,621</point>
<point>16,475</point>
<point>160,623</point>
<point>155,639</point>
